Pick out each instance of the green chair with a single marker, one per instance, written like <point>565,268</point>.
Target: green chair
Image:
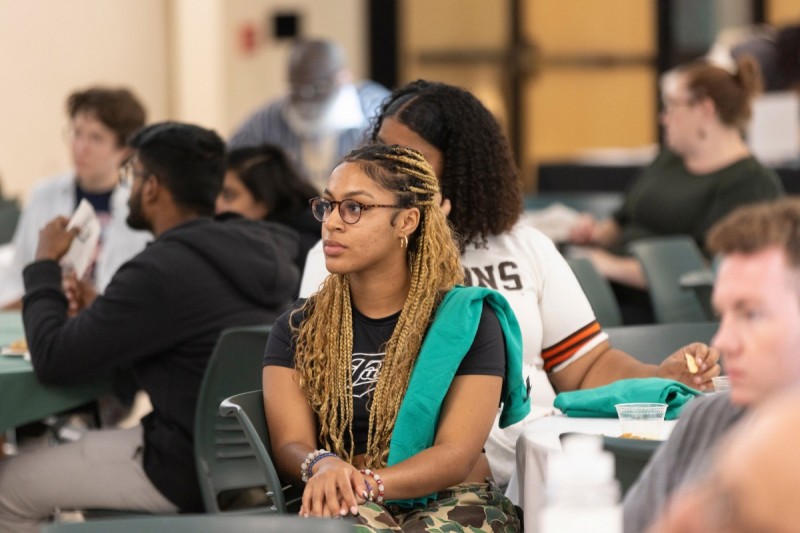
<point>228,471</point>
<point>630,458</point>
<point>205,524</point>
<point>664,260</point>
<point>653,342</point>
<point>230,480</point>
<point>598,292</point>
<point>248,409</point>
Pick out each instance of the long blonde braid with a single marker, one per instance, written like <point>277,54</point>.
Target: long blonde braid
<point>324,345</point>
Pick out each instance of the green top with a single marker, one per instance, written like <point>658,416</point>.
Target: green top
<point>667,199</point>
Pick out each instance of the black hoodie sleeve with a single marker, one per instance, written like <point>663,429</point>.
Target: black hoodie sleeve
<point>121,326</point>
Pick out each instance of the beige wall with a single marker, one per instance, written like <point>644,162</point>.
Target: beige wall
<point>184,60</point>
<point>781,12</point>
<point>571,104</point>
<point>252,78</point>
<point>181,57</point>
<point>52,47</point>
<point>575,105</point>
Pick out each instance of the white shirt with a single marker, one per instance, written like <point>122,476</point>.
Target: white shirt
<point>54,197</point>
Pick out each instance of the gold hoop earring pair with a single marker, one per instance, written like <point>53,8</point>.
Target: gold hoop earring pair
<point>403,242</point>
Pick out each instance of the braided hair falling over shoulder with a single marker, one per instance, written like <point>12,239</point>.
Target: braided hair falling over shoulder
<point>324,339</point>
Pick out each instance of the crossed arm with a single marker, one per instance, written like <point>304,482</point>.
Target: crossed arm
<point>337,487</point>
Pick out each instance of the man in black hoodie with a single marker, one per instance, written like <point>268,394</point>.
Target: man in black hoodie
<point>161,314</point>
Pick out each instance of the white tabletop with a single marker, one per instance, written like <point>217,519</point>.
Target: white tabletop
<point>540,438</point>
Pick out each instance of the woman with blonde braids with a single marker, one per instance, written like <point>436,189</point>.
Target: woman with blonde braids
<point>381,388</point>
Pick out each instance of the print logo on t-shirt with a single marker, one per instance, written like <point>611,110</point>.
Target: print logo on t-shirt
<point>366,368</point>
<point>507,275</point>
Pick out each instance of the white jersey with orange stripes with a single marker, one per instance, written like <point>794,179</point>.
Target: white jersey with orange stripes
<point>557,322</point>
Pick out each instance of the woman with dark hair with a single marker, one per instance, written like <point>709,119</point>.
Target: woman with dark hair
<point>261,183</point>
<point>705,172</point>
<point>563,345</point>
<point>381,388</point>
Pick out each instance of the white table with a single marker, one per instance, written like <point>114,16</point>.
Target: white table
<point>539,438</point>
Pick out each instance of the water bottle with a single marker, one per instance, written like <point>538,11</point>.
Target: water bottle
<point>582,492</point>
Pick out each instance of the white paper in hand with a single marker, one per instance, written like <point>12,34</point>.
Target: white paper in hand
<point>81,253</point>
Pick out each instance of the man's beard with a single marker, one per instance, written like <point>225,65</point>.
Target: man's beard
<point>136,219</point>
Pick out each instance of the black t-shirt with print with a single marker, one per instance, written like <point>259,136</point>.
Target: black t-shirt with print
<point>370,335</point>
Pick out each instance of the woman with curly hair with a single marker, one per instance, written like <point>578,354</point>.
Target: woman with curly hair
<point>705,171</point>
<point>381,388</point>
<point>564,347</point>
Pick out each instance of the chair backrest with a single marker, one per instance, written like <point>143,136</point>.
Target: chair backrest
<point>248,409</point>
<point>652,343</point>
<point>225,462</point>
<point>598,292</point>
<point>206,523</point>
<point>630,458</point>
<point>664,260</point>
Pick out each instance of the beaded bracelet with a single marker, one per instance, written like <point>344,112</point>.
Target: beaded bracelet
<point>378,482</point>
<point>309,462</point>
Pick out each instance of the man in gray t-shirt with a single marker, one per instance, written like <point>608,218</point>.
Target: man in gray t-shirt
<point>683,457</point>
<point>757,294</point>
<point>752,483</point>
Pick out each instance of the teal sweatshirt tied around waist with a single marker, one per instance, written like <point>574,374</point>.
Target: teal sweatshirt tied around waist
<point>448,340</point>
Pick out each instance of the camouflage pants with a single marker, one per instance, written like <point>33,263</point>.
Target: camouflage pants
<point>468,507</point>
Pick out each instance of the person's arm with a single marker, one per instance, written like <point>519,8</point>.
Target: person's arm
<point>604,365</point>
<point>128,323</point>
<point>467,415</point>
<point>80,293</point>
<point>607,233</point>
<point>588,230</point>
<point>468,410</point>
<point>567,317</point>
<point>291,421</point>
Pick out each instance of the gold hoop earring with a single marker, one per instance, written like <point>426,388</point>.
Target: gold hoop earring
<point>403,242</point>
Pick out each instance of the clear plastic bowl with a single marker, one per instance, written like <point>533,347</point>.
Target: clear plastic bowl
<point>721,383</point>
<point>642,420</point>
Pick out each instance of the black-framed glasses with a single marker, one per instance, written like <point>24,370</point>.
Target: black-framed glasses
<point>349,210</point>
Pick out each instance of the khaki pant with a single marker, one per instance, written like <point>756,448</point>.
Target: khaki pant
<point>102,470</point>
